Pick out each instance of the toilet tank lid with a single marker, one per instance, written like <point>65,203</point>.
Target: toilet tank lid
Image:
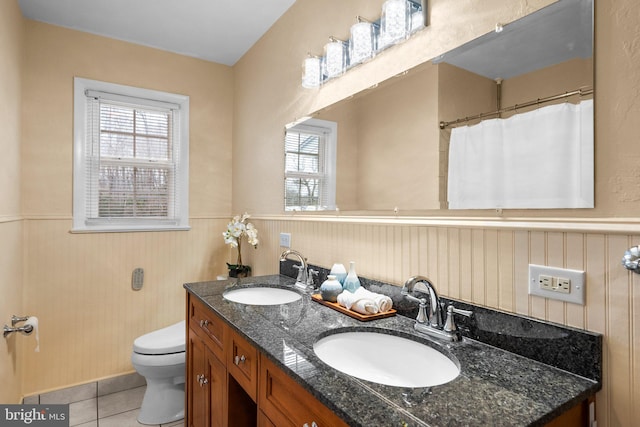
<point>163,341</point>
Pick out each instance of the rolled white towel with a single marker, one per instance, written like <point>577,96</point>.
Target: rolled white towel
<point>348,299</point>
<point>358,301</point>
<point>365,306</point>
<point>383,302</point>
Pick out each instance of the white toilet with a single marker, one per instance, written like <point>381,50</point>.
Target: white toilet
<point>159,356</point>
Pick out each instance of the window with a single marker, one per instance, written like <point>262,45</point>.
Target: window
<point>310,164</point>
<point>131,157</point>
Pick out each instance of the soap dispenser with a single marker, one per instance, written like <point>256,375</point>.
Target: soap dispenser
<point>351,282</point>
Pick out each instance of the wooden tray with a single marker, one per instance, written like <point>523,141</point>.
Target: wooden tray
<point>350,313</point>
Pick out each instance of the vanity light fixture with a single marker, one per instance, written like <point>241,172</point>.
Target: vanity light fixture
<point>311,72</point>
<point>362,43</point>
<point>395,23</point>
<point>399,20</point>
<point>335,57</point>
<point>417,20</point>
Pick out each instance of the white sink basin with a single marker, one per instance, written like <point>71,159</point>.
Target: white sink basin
<point>386,359</point>
<point>261,295</point>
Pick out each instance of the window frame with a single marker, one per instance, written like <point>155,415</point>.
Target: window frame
<point>141,97</point>
<point>327,158</point>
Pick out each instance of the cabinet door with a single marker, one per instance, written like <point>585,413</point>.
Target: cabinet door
<point>264,421</point>
<point>207,385</point>
<point>287,403</point>
<point>209,326</point>
<point>197,408</point>
<point>217,379</point>
<point>242,363</point>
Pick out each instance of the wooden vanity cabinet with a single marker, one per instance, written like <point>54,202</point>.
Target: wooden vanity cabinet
<point>206,385</point>
<point>224,378</point>
<point>578,416</point>
<point>230,383</point>
<point>284,402</point>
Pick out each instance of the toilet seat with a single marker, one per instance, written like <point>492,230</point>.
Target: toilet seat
<point>163,341</point>
<point>157,360</point>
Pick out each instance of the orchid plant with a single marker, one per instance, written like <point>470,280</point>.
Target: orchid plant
<point>237,229</point>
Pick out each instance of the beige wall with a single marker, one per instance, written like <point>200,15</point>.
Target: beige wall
<point>478,263</point>
<point>79,284</point>
<point>11,283</point>
<point>560,78</point>
<point>393,158</point>
<point>55,55</point>
<point>380,162</point>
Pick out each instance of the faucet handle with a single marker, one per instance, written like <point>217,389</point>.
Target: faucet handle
<point>450,324</point>
<point>300,277</point>
<point>422,307</point>
<point>312,273</point>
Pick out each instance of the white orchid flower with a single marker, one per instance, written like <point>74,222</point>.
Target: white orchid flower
<point>236,229</point>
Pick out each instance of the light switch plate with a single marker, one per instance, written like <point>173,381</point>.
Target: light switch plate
<point>557,283</point>
<point>285,240</point>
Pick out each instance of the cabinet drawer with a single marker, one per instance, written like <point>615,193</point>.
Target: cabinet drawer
<point>287,403</point>
<point>208,326</point>
<point>242,363</point>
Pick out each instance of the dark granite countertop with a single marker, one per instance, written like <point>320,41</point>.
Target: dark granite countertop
<point>495,387</point>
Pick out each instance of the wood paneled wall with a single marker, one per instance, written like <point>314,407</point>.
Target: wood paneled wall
<point>79,286</point>
<point>11,300</point>
<point>489,267</point>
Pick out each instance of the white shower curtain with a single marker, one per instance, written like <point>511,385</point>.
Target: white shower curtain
<point>538,159</point>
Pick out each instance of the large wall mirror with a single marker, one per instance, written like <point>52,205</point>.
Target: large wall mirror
<point>393,155</point>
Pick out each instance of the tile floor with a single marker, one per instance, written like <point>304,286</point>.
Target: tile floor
<point>113,402</point>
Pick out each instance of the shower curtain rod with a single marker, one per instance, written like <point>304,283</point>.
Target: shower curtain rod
<point>581,92</point>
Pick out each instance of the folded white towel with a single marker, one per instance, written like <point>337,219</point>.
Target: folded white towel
<point>364,301</point>
<point>383,302</point>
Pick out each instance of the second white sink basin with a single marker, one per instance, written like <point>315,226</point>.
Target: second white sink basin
<point>261,295</point>
<point>386,359</point>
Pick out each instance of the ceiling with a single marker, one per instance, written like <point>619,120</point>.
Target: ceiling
<point>214,30</point>
<point>554,34</point>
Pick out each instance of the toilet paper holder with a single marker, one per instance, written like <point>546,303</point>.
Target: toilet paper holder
<point>25,330</point>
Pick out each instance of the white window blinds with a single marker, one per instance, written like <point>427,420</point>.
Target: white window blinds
<point>131,163</point>
<point>309,180</point>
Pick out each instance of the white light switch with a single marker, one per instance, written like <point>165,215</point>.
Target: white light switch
<point>285,240</point>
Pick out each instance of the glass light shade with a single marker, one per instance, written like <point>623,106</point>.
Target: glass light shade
<point>417,21</point>
<point>395,23</point>
<point>335,58</point>
<point>311,72</point>
<point>362,43</point>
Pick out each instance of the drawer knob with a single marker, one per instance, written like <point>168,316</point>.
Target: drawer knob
<point>204,323</point>
<point>313,424</point>
<point>202,380</point>
<point>239,359</point>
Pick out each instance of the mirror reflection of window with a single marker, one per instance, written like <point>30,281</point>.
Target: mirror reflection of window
<point>310,165</point>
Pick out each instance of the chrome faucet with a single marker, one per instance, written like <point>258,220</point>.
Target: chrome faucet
<point>305,274</point>
<point>433,322</point>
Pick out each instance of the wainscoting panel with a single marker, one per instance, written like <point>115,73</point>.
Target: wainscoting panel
<point>79,286</point>
<point>489,267</point>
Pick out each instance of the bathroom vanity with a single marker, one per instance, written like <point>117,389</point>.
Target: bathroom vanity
<point>253,365</point>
